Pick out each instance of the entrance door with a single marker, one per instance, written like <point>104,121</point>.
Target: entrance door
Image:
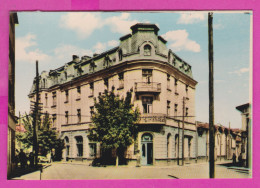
<point>147,149</point>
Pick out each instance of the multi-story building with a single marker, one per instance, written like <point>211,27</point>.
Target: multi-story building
<point>11,94</point>
<point>163,90</point>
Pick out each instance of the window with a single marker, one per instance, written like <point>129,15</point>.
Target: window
<point>106,83</point>
<point>79,115</point>
<point>78,92</point>
<point>66,117</point>
<point>54,120</point>
<point>147,104</point>
<point>187,112</point>
<point>168,107</point>
<point>169,145</point>
<point>147,50</point>
<point>66,75</point>
<point>174,61</point>
<point>66,96</point>
<point>175,110</point>
<point>91,110</point>
<point>120,55</point>
<point>168,81</point>
<point>93,149</point>
<point>46,99</point>
<point>176,145</point>
<point>187,92</point>
<point>121,80</point>
<point>79,143</point>
<point>176,86</point>
<point>147,75</point>
<point>91,86</point>
<point>54,99</point>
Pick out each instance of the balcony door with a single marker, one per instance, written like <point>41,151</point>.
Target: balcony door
<point>147,105</point>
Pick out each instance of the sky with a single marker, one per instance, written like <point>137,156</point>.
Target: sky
<point>53,37</point>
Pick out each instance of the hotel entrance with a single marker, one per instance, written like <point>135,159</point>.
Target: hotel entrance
<point>147,149</point>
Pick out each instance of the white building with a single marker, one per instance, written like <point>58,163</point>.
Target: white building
<point>162,82</point>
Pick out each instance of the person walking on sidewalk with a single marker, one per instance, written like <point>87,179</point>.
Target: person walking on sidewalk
<point>23,159</point>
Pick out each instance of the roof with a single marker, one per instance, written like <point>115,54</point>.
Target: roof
<point>146,26</point>
<point>242,107</point>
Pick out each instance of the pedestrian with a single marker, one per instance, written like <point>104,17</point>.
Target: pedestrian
<point>234,158</point>
<point>22,158</point>
<point>138,159</point>
<point>49,157</point>
<point>31,159</point>
<point>240,160</point>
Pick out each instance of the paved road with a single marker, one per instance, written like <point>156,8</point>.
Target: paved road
<point>59,171</point>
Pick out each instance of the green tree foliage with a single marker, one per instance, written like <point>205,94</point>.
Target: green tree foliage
<point>114,121</point>
<point>47,137</point>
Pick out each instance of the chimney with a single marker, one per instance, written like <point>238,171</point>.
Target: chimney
<point>75,58</point>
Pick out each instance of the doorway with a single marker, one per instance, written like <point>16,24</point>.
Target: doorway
<point>147,149</point>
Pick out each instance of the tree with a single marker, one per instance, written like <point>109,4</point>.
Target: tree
<point>114,122</point>
<point>47,137</point>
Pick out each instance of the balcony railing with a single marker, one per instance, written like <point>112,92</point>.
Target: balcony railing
<point>153,87</point>
<point>152,119</point>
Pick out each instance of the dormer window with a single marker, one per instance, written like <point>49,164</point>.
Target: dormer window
<point>147,50</point>
<point>120,55</point>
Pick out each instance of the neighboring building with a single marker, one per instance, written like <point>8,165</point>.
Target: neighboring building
<point>161,82</point>
<point>246,148</point>
<point>227,142</point>
<point>11,94</point>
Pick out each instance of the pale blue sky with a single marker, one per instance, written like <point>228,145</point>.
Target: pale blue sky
<point>53,38</point>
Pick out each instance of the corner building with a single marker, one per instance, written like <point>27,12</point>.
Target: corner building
<point>163,90</point>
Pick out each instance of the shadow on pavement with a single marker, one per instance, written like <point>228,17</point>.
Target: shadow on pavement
<point>237,167</point>
<point>18,172</point>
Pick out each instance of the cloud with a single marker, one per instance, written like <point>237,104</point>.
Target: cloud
<point>23,51</point>
<point>240,71</point>
<point>84,24</point>
<point>191,18</point>
<point>64,52</point>
<point>113,43</point>
<point>179,40</point>
<point>120,24</point>
<point>101,47</point>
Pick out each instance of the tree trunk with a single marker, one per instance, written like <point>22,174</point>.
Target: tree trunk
<point>117,160</point>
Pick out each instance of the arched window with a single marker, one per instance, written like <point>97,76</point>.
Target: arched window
<point>44,82</point>
<point>176,145</point>
<point>147,50</point>
<point>169,145</point>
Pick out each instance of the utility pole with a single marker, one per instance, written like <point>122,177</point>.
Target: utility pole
<point>211,100</point>
<point>183,111</point>
<point>35,121</point>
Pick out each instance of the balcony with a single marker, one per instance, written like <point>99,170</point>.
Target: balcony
<point>144,87</point>
<point>152,119</point>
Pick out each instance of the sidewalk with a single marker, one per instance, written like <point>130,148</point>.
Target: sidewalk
<point>28,173</point>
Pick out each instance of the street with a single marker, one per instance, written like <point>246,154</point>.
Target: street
<point>73,171</point>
